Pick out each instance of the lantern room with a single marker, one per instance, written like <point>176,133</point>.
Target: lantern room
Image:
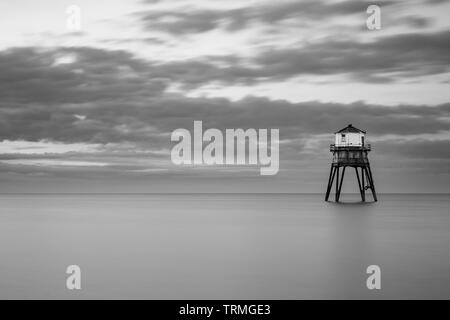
<point>350,137</point>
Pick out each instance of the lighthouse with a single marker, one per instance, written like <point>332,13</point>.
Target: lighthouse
<point>350,150</point>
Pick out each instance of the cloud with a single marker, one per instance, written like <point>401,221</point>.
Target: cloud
<point>434,2</point>
<point>415,21</point>
<point>285,45</point>
<point>54,76</point>
<point>385,59</point>
<point>43,147</point>
<point>85,113</point>
<point>119,98</point>
<point>418,150</point>
<point>90,94</point>
<point>53,163</point>
<point>63,109</point>
<point>194,20</point>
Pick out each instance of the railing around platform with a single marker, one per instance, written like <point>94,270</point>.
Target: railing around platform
<point>366,147</point>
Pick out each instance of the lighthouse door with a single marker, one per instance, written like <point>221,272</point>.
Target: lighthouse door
<point>362,141</point>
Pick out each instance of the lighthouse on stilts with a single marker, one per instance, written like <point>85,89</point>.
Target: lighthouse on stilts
<point>350,150</point>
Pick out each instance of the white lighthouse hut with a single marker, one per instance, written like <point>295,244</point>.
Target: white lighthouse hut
<point>350,137</point>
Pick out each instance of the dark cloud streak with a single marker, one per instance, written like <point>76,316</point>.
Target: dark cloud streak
<point>135,107</point>
<point>191,20</point>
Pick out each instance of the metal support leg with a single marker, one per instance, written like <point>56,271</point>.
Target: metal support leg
<point>337,185</point>
<point>359,184</point>
<point>363,189</point>
<point>372,184</point>
<point>340,184</point>
<point>330,182</point>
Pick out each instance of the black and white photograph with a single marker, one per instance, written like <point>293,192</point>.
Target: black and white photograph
<point>224,150</point>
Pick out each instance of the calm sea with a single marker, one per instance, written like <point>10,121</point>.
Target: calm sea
<point>224,246</point>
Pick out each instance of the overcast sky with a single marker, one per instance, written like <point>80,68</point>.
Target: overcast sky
<point>93,110</point>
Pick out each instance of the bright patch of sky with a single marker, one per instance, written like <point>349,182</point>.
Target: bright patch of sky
<point>45,147</point>
<point>53,163</point>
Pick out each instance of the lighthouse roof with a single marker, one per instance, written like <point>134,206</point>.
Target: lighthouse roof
<point>350,128</point>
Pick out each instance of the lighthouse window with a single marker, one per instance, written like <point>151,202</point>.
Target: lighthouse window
<point>343,138</point>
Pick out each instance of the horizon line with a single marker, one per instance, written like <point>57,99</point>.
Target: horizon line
<point>212,193</point>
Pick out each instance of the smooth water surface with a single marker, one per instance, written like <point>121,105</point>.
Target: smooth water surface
<point>224,246</point>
